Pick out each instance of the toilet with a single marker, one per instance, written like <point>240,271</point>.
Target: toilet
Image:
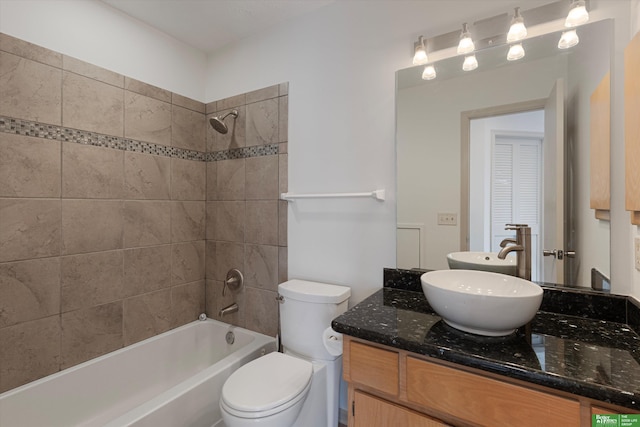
<point>300,386</point>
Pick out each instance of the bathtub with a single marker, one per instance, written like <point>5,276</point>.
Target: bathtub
<point>173,380</point>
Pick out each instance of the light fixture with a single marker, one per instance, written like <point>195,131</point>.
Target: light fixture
<point>470,63</point>
<point>466,44</point>
<point>517,30</point>
<point>568,39</point>
<point>578,14</point>
<point>420,53</point>
<point>516,51</point>
<point>429,72</point>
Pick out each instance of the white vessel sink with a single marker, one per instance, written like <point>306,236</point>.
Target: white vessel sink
<point>481,302</point>
<point>485,261</point>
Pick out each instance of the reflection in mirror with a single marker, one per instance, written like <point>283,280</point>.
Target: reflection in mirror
<point>506,143</point>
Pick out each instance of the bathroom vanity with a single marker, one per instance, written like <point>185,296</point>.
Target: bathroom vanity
<point>404,366</point>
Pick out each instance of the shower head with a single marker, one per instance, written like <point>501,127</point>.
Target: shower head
<point>218,122</point>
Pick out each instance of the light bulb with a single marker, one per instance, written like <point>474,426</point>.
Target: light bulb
<point>517,30</point>
<point>466,43</point>
<point>470,63</point>
<point>429,73</point>
<point>578,14</point>
<point>516,52</point>
<point>420,53</point>
<point>568,39</point>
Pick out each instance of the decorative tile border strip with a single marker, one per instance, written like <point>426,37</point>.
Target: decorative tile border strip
<point>59,133</point>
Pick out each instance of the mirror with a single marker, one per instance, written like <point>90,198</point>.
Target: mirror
<point>473,153</point>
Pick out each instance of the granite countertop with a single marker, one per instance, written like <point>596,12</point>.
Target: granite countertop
<point>598,358</point>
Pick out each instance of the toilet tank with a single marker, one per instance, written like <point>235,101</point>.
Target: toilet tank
<point>306,310</point>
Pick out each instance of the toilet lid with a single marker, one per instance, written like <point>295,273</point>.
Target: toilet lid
<point>266,382</point>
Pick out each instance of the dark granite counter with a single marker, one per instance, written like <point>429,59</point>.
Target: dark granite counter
<point>579,342</point>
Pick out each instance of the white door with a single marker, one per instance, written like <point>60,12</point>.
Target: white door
<point>553,183</point>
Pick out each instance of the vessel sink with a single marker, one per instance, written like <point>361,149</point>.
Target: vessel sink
<point>481,302</point>
<point>485,261</point>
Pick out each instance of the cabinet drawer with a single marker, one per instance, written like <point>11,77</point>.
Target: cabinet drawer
<point>373,367</point>
<point>373,412</point>
<point>485,401</point>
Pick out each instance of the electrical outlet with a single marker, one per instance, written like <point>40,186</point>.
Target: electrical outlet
<point>447,219</point>
<point>637,251</point>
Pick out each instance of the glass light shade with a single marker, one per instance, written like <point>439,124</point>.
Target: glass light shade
<point>466,45</point>
<point>420,56</point>
<point>578,14</point>
<point>517,31</point>
<point>568,39</point>
<point>429,73</point>
<point>470,63</point>
<point>516,52</point>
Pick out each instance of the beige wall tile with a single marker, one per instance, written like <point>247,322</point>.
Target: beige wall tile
<point>146,176</point>
<point>262,122</point>
<point>29,167</point>
<point>236,135</point>
<point>29,90</point>
<point>91,105</point>
<point>146,316</point>
<point>187,129</point>
<point>187,221</point>
<point>262,222</point>
<point>91,279</point>
<point>92,71</point>
<point>187,302</point>
<point>283,118</point>
<point>30,51</point>
<point>29,351</point>
<point>284,88</point>
<point>222,257</point>
<point>146,223</point>
<point>261,267</point>
<point>283,261</point>
<point>262,94</point>
<point>147,269</point>
<point>188,179</point>
<point>212,181</point>
<point>211,107</point>
<point>262,178</point>
<point>283,207</point>
<point>91,226</point>
<point>147,119</point>
<point>145,89</point>
<point>215,302</point>
<point>283,173</point>
<point>29,290</point>
<point>187,262</point>
<point>261,311</point>
<point>228,220</point>
<point>29,228</point>
<point>232,102</point>
<point>91,332</point>
<point>231,179</point>
<point>189,103</point>
<point>92,172</point>
<point>283,148</point>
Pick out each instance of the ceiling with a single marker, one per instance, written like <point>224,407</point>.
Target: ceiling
<point>208,25</point>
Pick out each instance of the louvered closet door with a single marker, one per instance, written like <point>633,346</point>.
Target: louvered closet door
<point>516,190</point>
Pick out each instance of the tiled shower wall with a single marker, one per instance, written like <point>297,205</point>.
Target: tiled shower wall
<point>108,190</point>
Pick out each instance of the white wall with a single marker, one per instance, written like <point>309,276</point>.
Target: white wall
<point>94,32</point>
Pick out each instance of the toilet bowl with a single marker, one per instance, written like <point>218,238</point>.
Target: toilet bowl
<point>299,387</point>
<point>270,390</point>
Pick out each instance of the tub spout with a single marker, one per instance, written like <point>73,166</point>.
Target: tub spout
<point>228,310</point>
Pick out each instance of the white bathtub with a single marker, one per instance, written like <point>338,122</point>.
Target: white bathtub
<point>173,380</point>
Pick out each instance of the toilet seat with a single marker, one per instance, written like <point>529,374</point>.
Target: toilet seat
<point>266,386</point>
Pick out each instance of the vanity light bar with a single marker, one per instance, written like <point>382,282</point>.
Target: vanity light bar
<point>511,31</point>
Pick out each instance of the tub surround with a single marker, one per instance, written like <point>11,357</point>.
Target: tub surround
<point>582,343</point>
<point>121,209</point>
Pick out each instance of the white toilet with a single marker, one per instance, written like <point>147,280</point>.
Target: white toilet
<point>300,387</point>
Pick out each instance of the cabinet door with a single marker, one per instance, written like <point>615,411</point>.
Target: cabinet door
<point>374,412</point>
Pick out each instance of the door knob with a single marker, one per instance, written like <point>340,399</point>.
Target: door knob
<point>548,252</point>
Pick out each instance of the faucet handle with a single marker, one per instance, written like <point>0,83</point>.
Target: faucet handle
<point>515,226</point>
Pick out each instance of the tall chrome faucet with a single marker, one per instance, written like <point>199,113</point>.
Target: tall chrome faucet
<point>522,245</point>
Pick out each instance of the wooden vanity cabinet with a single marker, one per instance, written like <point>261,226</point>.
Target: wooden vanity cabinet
<point>390,387</point>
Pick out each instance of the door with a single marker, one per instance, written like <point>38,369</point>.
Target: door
<point>553,234</point>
